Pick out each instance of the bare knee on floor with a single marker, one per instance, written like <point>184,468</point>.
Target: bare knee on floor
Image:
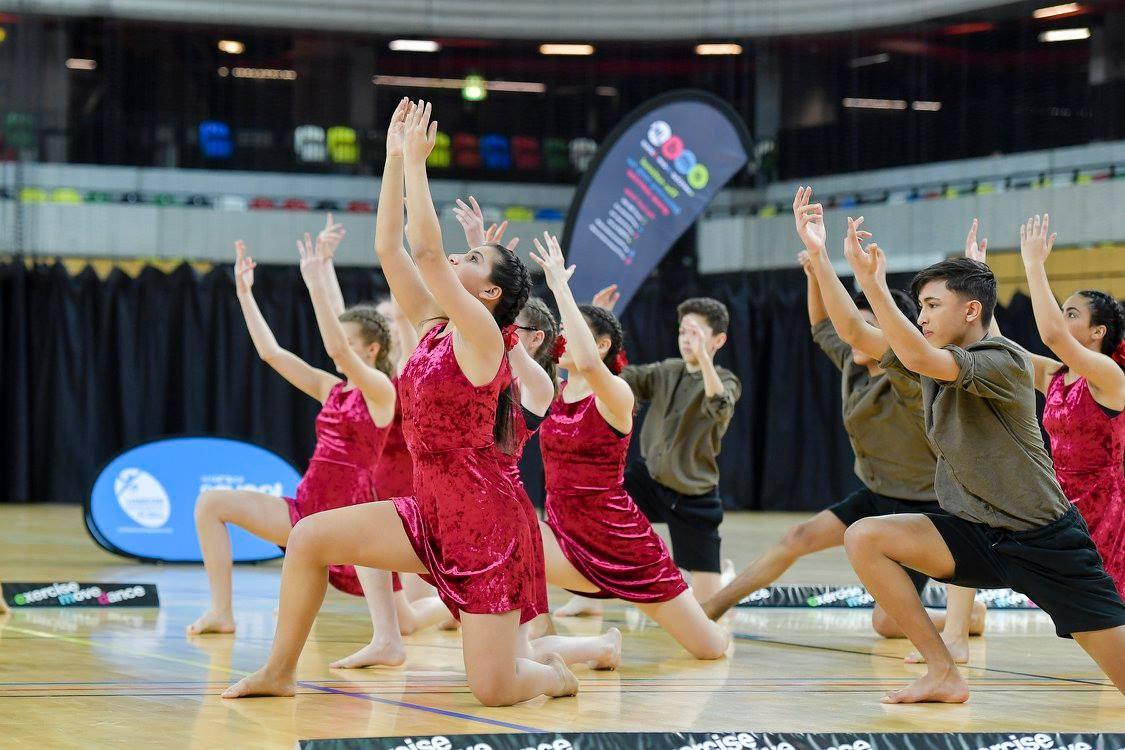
<point>884,624</point>
<point>491,688</point>
<point>713,646</point>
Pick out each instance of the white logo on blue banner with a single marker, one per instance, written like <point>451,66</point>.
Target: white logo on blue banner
<point>651,179</point>
<point>142,504</point>
<point>142,497</point>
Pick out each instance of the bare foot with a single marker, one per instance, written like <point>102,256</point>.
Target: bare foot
<point>611,656</point>
<point>261,683</point>
<point>540,627</point>
<point>568,682</point>
<point>580,606</point>
<point>212,622</point>
<point>451,624</point>
<point>977,618</point>
<point>945,687</point>
<point>374,654</point>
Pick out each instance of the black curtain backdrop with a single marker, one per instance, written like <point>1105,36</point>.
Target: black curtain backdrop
<point>89,367</point>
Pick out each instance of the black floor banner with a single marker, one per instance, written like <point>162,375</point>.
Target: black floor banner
<point>75,594</point>
<point>856,597</point>
<point>730,741</point>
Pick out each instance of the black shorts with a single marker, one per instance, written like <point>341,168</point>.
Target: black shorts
<point>863,503</point>
<point>1056,566</point>
<point>693,520</point>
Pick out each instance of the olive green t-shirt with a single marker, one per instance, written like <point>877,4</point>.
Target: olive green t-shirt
<point>992,466</point>
<point>883,419</point>
<point>684,427</point>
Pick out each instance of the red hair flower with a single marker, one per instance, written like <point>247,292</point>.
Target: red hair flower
<point>511,337</point>
<point>559,347</point>
<point>1119,353</point>
<point>620,362</point>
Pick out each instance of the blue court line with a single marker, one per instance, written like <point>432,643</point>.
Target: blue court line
<point>428,709</point>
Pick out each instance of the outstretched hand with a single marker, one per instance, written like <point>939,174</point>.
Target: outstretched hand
<point>868,263</point>
<point>607,298</point>
<point>973,249</point>
<point>244,267</point>
<point>810,222</point>
<point>471,219</point>
<point>396,131</point>
<point>329,239</point>
<point>420,133</point>
<point>311,261</point>
<point>551,260</point>
<point>495,235</point>
<point>1035,243</point>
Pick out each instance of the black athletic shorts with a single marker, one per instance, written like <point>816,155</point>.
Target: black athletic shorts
<point>864,503</point>
<point>693,520</point>
<point>1056,566</point>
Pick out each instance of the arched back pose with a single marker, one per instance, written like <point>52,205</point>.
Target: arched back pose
<point>597,541</point>
<point>464,525</point>
<point>1085,390</point>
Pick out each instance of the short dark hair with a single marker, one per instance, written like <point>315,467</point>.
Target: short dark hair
<point>903,301</point>
<point>968,278</point>
<point>711,310</point>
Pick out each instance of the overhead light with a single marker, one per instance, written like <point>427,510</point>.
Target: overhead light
<point>517,87</point>
<point>921,106</point>
<point>718,49</point>
<point>231,47</point>
<point>605,91</point>
<point>414,45</point>
<point>261,74</point>
<point>475,89</point>
<point>855,103</point>
<point>566,49</point>
<point>80,63</point>
<point>1064,35</point>
<point>860,62</point>
<point>1057,10</point>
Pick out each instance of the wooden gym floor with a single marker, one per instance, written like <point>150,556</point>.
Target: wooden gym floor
<point>84,678</point>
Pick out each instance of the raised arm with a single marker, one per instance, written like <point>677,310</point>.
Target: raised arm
<point>908,343</point>
<point>402,276</point>
<point>536,389</point>
<point>310,380</point>
<point>846,318</point>
<point>477,342</point>
<point>815,303</point>
<point>326,243</point>
<point>1105,376</point>
<point>614,395</point>
<point>378,390</point>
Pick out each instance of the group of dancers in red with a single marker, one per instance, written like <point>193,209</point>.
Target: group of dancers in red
<point>413,497</point>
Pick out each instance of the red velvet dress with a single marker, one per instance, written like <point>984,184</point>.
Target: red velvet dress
<point>341,470</point>
<point>524,423</point>
<point>394,472</point>
<point>1088,447</point>
<point>465,519</point>
<point>598,526</point>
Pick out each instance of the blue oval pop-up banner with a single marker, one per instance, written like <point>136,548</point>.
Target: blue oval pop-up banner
<point>142,504</point>
<point>650,181</point>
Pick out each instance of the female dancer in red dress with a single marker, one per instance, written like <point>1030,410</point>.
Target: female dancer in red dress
<point>351,428</point>
<point>534,366</point>
<point>464,526</point>
<point>1085,397</point>
<point>597,542</point>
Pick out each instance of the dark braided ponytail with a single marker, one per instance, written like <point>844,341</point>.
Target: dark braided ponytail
<point>604,323</point>
<point>1107,311</point>
<point>511,275</point>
